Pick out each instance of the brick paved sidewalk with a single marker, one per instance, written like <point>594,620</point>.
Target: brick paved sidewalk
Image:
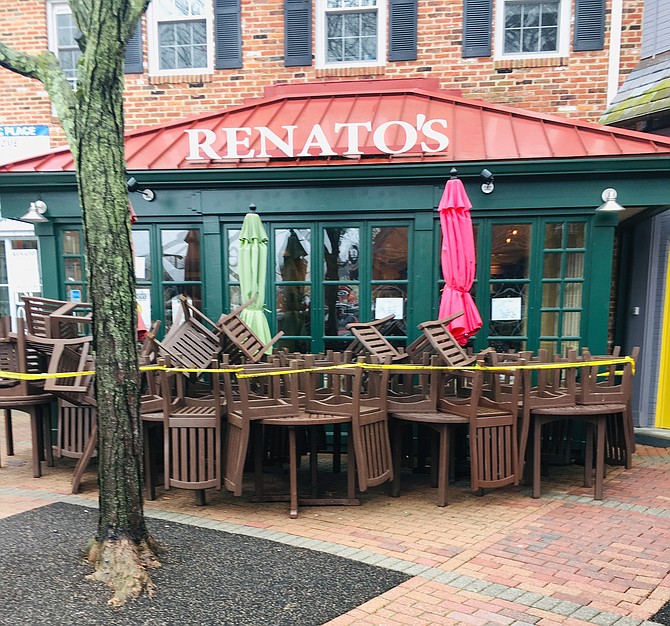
<point>503,558</point>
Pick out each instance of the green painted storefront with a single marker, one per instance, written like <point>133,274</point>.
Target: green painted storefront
<point>347,241</point>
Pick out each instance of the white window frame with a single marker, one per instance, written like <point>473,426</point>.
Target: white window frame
<point>562,39</point>
<point>55,8</point>
<point>152,41</point>
<point>321,38</point>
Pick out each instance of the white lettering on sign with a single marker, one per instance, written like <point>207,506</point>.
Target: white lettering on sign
<point>391,137</point>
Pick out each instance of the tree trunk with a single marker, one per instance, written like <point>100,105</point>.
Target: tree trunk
<point>92,118</point>
<point>123,548</point>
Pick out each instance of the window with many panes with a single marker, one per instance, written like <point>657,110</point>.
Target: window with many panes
<point>532,28</point>
<point>180,36</point>
<point>350,32</point>
<point>63,33</point>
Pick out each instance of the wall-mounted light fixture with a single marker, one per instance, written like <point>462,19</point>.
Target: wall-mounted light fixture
<point>36,212</point>
<point>609,196</point>
<point>148,194</point>
<point>487,181</point>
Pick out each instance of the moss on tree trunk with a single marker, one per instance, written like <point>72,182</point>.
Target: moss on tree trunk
<point>92,118</point>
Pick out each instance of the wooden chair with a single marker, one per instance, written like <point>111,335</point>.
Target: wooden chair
<point>60,319</point>
<point>190,343</point>
<point>492,427</point>
<point>555,398</point>
<point>369,340</point>
<point>239,341</point>
<point>76,432</point>
<point>192,436</point>
<point>611,384</point>
<point>248,401</point>
<point>437,340</point>
<point>23,395</point>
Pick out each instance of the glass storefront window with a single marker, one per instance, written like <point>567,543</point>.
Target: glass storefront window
<point>142,254</point>
<point>397,295</point>
<point>233,255</point>
<point>389,253</point>
<point>292,304</point>
<point>293,254</point>
<point>71,242</point>
<point>341,308</point>
<point>510,251</point>
<point>341,248</point>
<point>181,255</point>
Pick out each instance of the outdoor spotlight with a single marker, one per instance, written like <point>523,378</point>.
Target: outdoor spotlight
<point>133,186</point>
<point>487,181</point>
<point>609,201</point>
<point>36,212</point>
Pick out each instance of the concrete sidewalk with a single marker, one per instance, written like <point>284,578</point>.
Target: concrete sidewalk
<point>503,558</point>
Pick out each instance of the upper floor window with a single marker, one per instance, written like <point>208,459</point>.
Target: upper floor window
<point>351,32</point>
<point>533,28</point>
<point>180,36</point>
<point>62,34</point>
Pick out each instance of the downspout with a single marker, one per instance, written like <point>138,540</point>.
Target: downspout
<point>615,50</point>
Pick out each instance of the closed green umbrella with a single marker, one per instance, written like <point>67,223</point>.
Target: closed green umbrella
<point>253,272</point>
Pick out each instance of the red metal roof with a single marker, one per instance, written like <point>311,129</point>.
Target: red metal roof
<point>344,123</point>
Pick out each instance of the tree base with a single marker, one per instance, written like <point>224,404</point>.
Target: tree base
<point>124,565</point>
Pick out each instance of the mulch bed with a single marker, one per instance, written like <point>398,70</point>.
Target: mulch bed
<point>207,577</point>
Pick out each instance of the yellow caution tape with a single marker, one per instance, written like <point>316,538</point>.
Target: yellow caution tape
<point>328,368</point>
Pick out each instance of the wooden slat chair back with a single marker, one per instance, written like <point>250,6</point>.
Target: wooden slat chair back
<point>613,387</point>
<point>46,317</point>
<point>239,341</point>
<point>249,400</point>
<point>191,342</point>
<point>192,436</point>
<point>24,395</point>
<point>368,412</point>
<point>422,344</point>
<point>493,431</point>
<point>545,388</point>
<point>436,339</point>
<point>413,390</point>
<point>369,340</point>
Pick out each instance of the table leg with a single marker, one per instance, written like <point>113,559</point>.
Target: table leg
<point>396,455</point>
<point>600,458</point>
<point>588,455</point>
<point>443,465</point>
<point>9,432</point>
<point>36,441</point>
<point>537,455</point>
<point>293,473</point>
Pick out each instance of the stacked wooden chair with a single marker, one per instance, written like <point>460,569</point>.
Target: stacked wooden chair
<point>239,342</point>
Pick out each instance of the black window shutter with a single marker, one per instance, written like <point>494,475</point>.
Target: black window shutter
<point>402,30</point>
<point>589,25</point>
<point>297,32</point>
<point>477,28</point>
<point>133,60</point>
<point>227,34</point>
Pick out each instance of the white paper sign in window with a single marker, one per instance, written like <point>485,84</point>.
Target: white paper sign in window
<point>505,309</point>
<point>389,306</point>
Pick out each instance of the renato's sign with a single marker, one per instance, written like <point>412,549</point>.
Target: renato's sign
<point>346,139</point>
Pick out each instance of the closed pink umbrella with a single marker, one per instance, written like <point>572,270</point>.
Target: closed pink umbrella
<point>458,261</point>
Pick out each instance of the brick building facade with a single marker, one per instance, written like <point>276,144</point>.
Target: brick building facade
<point>569,81</point>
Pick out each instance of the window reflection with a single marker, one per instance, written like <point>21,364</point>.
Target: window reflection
<point>293,254</point>
<point>510,251</point>
<point>293,309</point>
<point>181,255</point>
<point>173,306</point>
<point>389,253</point>
<point>341,308</point>
<point>233,255</point>
<point>340,253</point>
<point>142,254</point>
